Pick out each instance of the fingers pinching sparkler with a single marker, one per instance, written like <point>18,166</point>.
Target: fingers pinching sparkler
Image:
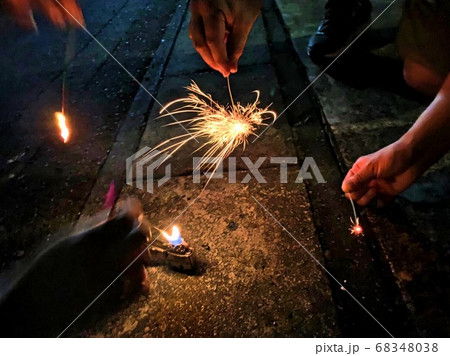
<point>223,128</point>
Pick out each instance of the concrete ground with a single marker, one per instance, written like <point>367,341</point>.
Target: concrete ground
<point>44,183</point>
<point>367,106</point>
<point>254,278</point>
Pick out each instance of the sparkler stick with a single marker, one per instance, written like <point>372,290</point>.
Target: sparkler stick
<point>63,99</point>
<point>229,90</point>
<point>67,59</point>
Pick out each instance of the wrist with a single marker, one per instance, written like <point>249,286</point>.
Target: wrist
<point>407,146</point>
<point>418,151</point>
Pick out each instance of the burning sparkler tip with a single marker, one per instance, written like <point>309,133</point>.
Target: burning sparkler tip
<point>62,124</point>
<point>356,229</point>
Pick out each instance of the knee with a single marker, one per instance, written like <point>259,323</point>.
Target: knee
<point>421,78</point>
<point>418,81</point>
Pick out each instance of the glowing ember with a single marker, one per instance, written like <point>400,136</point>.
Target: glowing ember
<point>62,124</point>
<point>175,238</point>
<point>356,228</point>
<point>224,128</point>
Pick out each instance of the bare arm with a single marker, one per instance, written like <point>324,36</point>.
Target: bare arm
<point>389,171</point>
<point>429,137</point>
<point>61,12</point>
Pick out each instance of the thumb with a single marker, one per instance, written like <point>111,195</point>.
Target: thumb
<point>360,175</point>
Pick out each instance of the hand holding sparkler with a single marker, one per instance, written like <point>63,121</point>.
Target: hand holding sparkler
<point>382,175</point>
<point>394,168</point>
<point>219,30</point>
<point>22,11</point>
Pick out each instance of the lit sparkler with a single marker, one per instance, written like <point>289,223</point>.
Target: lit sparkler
<point>60,116</point>
<point>356,228</point>
<point>224,128</point>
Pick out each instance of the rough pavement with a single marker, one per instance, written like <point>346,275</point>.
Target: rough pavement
<point>246,285</point>
<point>254,280</point>
<point>367,106</point>
<point>44,184</point>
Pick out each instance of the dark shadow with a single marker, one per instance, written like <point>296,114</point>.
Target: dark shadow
<point>360,68</point>
<point>199,269</point>
<point>421,241</point>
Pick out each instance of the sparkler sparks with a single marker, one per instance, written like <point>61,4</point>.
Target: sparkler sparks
<point>224,128</point>
<point>356,228</point>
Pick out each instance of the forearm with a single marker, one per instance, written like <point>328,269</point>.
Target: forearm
<point>429,138</point>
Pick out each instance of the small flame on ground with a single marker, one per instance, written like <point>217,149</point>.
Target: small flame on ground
<point>175,238</point>
<point>62,124</point>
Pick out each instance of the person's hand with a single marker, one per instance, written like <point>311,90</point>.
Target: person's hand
<point>219,30</point>
<point>383,174</point>
<point>61,12</point>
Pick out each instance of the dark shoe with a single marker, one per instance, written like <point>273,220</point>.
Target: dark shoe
<point>338,28</point>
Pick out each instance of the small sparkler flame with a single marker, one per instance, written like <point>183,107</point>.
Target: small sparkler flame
<point>175,238</point>
<point>356,228</point>
<point>62,124</point>
<point>224,128</point>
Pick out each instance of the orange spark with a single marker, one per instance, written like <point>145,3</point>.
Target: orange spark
<point>62,124</point>
<point>356,228</point>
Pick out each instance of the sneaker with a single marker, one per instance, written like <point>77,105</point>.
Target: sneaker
<point>338,28</point>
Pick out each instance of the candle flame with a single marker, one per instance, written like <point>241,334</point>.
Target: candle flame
<point>62,124</point>
<point>175,238</point>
